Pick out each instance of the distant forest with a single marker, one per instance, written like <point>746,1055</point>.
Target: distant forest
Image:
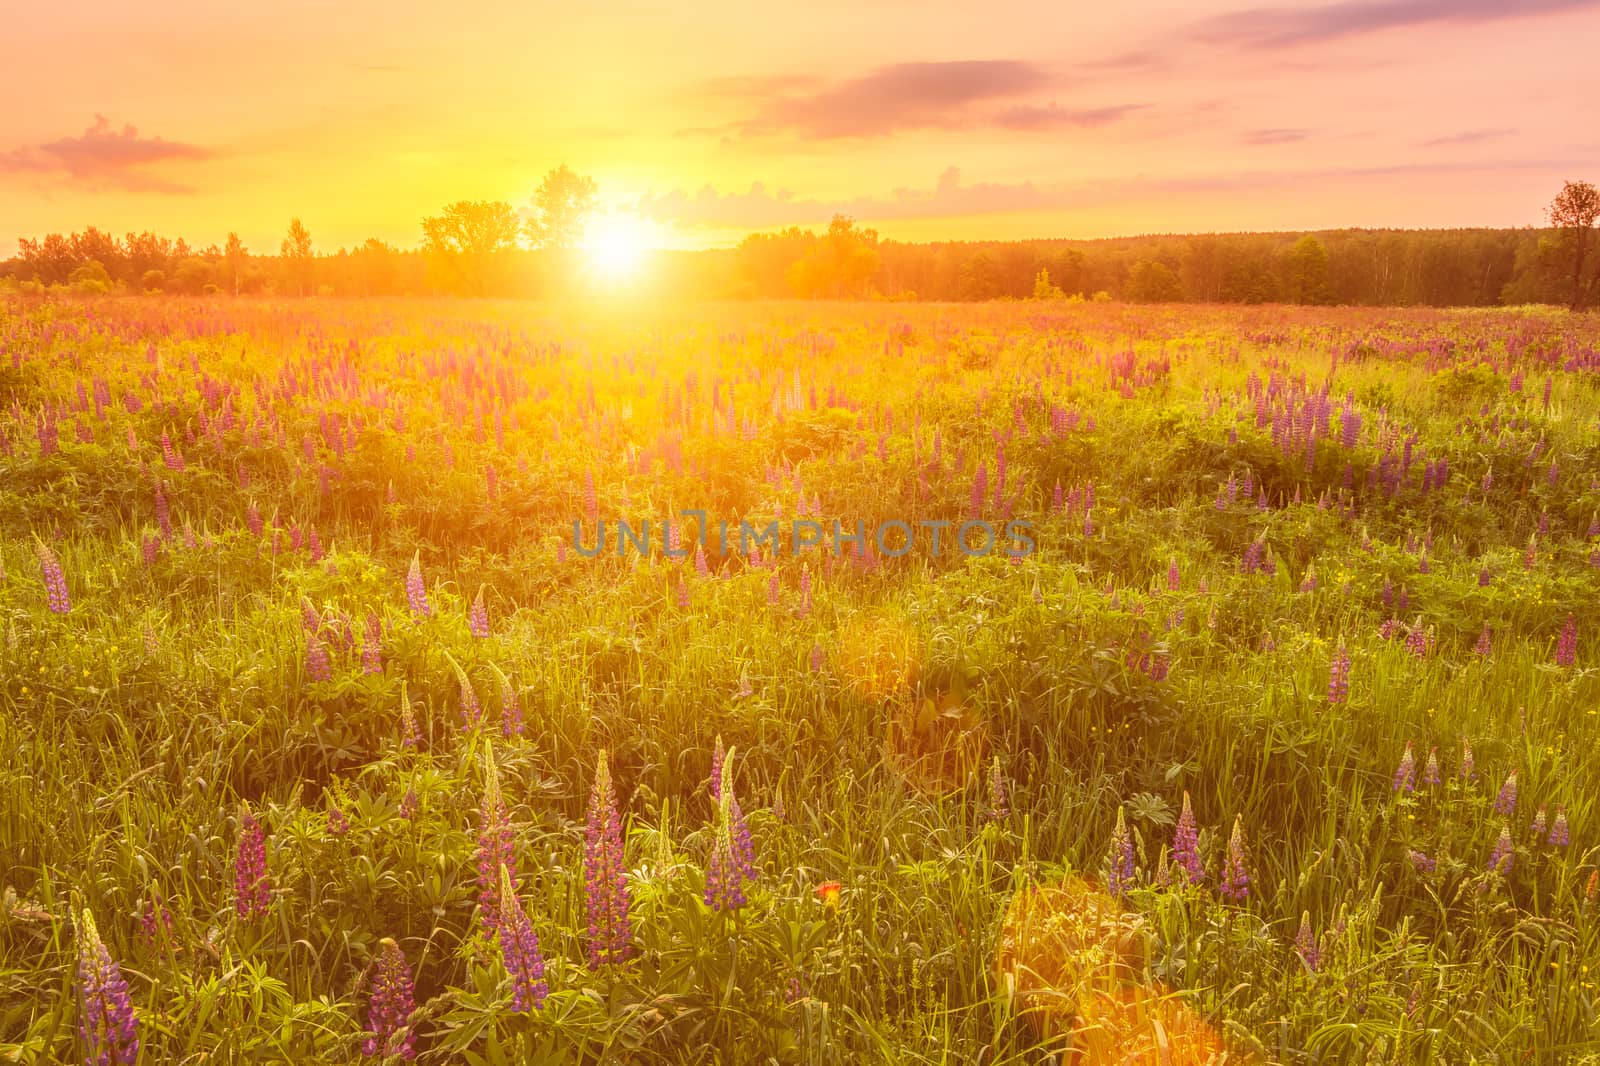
<point>477,249</point>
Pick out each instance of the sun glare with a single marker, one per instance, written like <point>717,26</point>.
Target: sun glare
<point>616,246</point>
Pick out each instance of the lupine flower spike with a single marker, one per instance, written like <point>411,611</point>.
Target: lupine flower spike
<point>416,594</point>
<point>1235,877</point>
<point>605,879</point>
<point>389,1008</point>
<point>1505,803</point>
<point>106,1025</point>
<point>1500,858</point>
<point>495,851</point>
<point>1305,943</point>
<point>55,582</point>
<point>728,868</point>
<point>1405,775</point>
<point>251,890</point>
<point>519,950</point>
<point>1120,867</point>
<point>1186,845</point>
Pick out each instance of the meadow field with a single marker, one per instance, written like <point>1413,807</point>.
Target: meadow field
<point>1264,732</point>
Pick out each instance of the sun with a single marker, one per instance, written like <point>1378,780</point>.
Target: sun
<point>616,246</point>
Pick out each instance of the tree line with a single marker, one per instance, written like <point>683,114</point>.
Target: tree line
<point>486,248</point>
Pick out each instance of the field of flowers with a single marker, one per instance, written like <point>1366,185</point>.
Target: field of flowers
<point>321,741</point>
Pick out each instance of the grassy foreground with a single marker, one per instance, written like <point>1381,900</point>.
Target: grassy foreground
<point>296,651</point>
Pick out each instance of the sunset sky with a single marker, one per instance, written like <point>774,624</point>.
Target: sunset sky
<point>924,119</point>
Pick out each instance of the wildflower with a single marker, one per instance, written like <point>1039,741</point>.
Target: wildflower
<point>478,617</point>
<point>390,1005</point>
<point>719,755</point>
<point>731,863</point>
<point>1566,644</point>
<point>519,950</point>
<point>605,883</point>
<point>1539,822</point>
<point>495,849</point>
<point>1339,676</point>
<point>106,1025</point>
<point>318,667</point>
<point>1500,858</point>
<point>1305,943</point>
<point>372,645</point>
<point>55,582</point>
<point>409,735</point>
<point>1430,773</point>
<point>250,889</point>
<point>1505,803</point>
<point>156,919</point>
<point>1422,862</point>
<point>510,711</point>
<point>1235,878</point>
<point>1560,836</point>
<point>998,805</point>
<point>471,709</point>
<point>416,595</point>
<point>410,803</point>
<point>827,894</point>
<point>1405,775</point>
<point>1119,876</point>
<point>1483,645</point>
<point>1467,772</point>
<point>1186,845</point>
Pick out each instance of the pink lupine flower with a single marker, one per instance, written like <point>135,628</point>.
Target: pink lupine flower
<point>1235,877</point>
<point>389,1007</point>
<point>605,881</point>
<point>55,582</point>
<point>251,890</point>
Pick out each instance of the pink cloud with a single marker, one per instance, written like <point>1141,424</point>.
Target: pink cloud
<point>104,156</point>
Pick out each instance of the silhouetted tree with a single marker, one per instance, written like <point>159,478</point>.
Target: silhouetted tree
<point>296,252</point>
<point>468,243</point>
<point>236,257</point>
<point>562,207</point>
<point>1574,212</point>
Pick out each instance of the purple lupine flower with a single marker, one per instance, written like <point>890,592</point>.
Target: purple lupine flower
<point>389,1008</point>
<point>1566,645</point>
<point>1539,822</point>
<point>510,711</point>
<point>1305,943</point>
<point>730,865</point>
<point>1120,867</point>
<point>1235,877</point>
<point>519,950</point>
<point>251,892</point>
<point>719,756</point>
<point>605,881</point>
<point>1186,844</point>
<point>155,920</point>
<point>1430,772</point>
<point>1468,771</point>
<point>1483,646</point>
<point>1422,862</point>
<point>478,618</point>
<point>1339,676</point>
<point>337,824</point>
<point>1405,775</point>
<point>416,594</point>
<point>410,736</point>
<point>999,806</point>
<point>55,582</point>
<point>410,803</point>
<point>495,850</point>
<point>1560,836</point>
<point>1500,859</point>
<point>1173,582</point>
<point>471,709</point>
<point>106,1025</point>
<point>318,668</point>
<point>372,645</point>
<point>1505,803</point>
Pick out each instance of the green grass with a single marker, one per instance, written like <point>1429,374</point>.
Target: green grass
<point>136,726</point>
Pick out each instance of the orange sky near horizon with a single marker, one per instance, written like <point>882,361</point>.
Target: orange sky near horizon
<point>924,120</point>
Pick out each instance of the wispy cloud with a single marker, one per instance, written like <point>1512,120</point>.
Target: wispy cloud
<point>103,156</point>
<point>1275,136</point>
<point>760,207</point>
<point>958,94</point>
<point>1282,27</point>
<point>1468,137</point>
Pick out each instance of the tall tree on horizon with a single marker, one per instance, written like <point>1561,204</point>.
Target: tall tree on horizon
<point>562,206</point>
<point>469,241</point>
<point>296,252</point>
<point>235,255</point>
<point>1574,211</point>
